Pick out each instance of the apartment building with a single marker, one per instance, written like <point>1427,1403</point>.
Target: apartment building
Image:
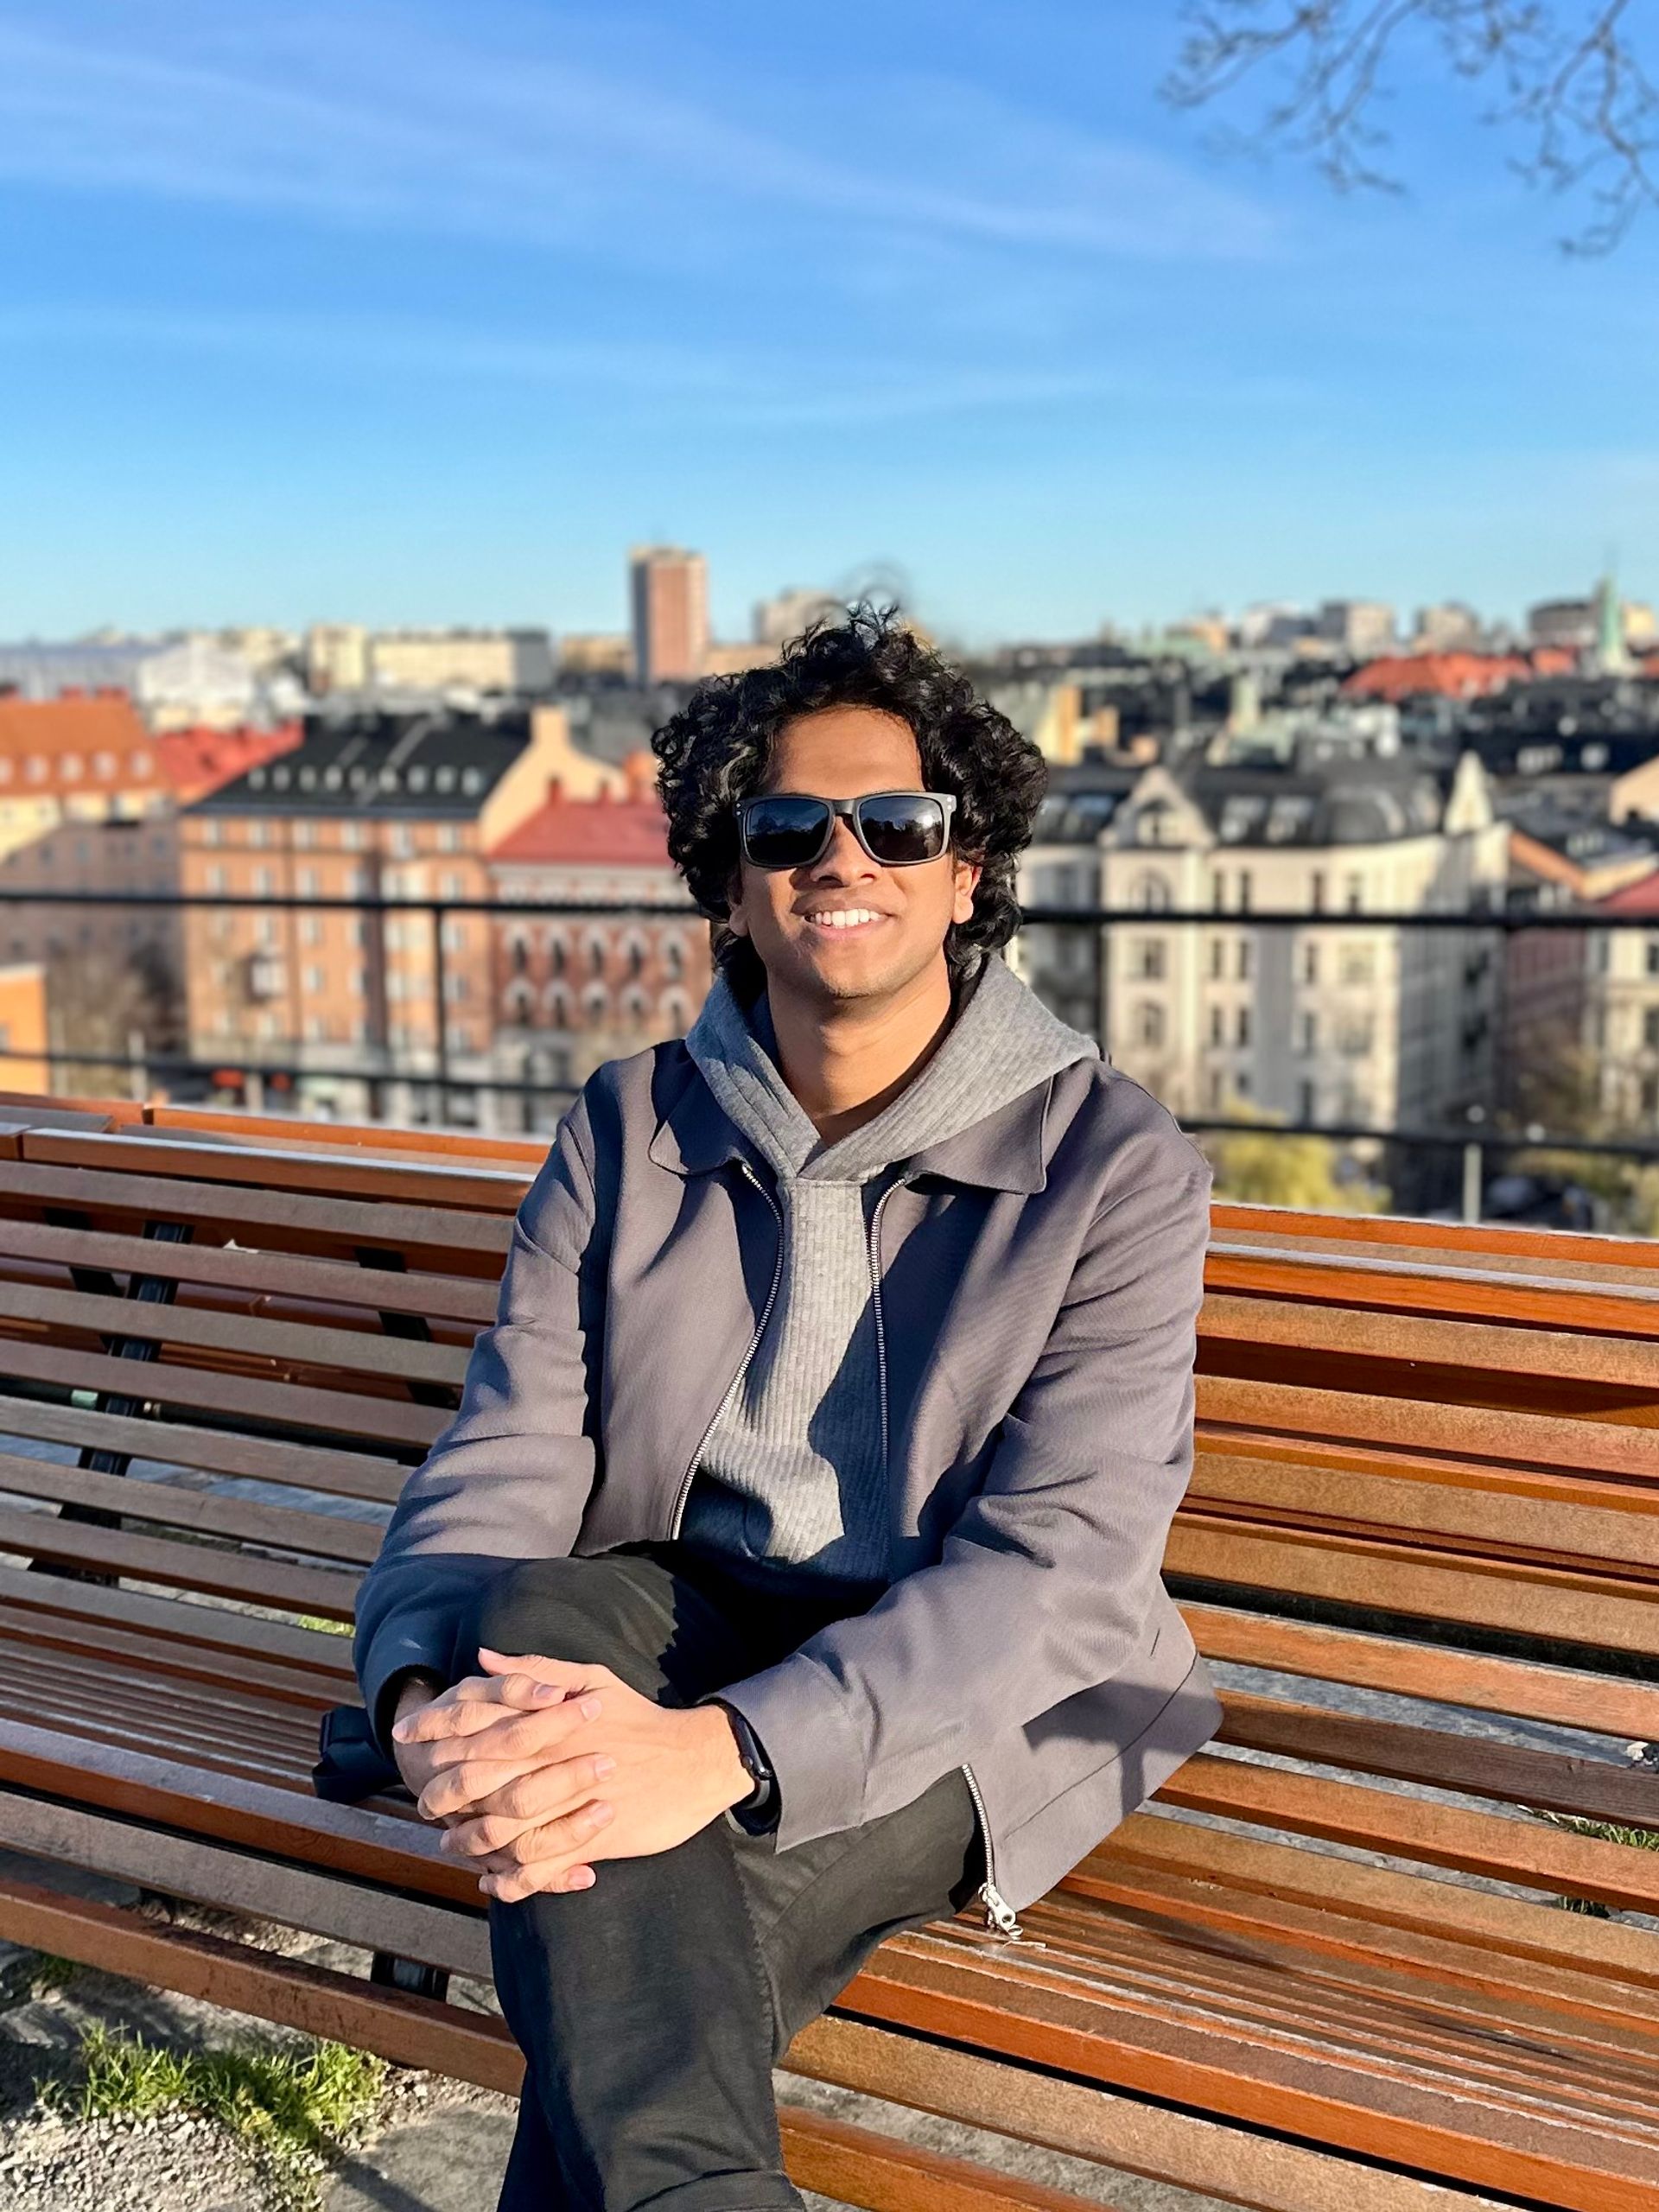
<point>378,807</point>
<point>517,661</point>
<point>1621,1012</point>
<point>573,990</point>
<point>1380,1027</point>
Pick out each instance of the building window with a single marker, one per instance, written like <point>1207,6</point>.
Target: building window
<point>1305,1110</point>
<point>1243,890</point>
<point>305,836</point>
<point>1242,1032</point>
<point>455,937</point>
<point>1245,950</point>
<point>1650,1095</point>
<point>314,980</point>
<point>1218,958</point>
<point>35,768</point>
<point>555,955</point>
<point>350,837</point>
<point>1650,1029</point>
<point>1217,1027</point>
<point>1310,1032</point>
<point>558,1006</point>
<point>673,960</point>
<point>454,987</point>
<point>1652,952</point>
<point>1242,1083</point>
<point>1316,891</point>
<point>1152,894</point>
<point>1149,959</point>
<point>305,882</point>
<point>262,885</point>
<point>215,880</point>
<point>1310,963</point>
<point>1149,1024</point>
<point>1357,963</point>
<point>258,833</point>
<point>594,1002</point>
<point>451,886</point>
<point>596,956</point>
<point>311,929</point>
<point>518,952</point>
<point>449,837</point>
<point>1356,894</point>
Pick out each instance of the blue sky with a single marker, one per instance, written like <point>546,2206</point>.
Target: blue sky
<point>410,312</point>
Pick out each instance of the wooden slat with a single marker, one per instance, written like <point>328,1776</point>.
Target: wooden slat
<point>1522,1687</point>
<point>1406,1233</point>
<point>1464,1347</point>
<point>1506,1436</point>
<point>264,1275</point>
<point>414,1183</point>
<point>1409,1286</point>
<point>1618,1959</point>
<point>324,1535</point>
<point>188,1624</point>
<point>409,2030</point>
<point>220,1452</point>
<point>1355,1572</point>
<point>167,1659</point>
<point>854,2165</point>
<point>1219,1453</point>
<point>1080,2121</point>
<point>1495,1523</point>
<point>288,1133</point>
<point>937,1986</point>
<point>1534,1854</point>
<point>334,1222</point>
<point>235,1881</point>
<point>355,1351</point>
<point>387,1420</point>
<point>1474,1766</point>
<point>225,1573</point>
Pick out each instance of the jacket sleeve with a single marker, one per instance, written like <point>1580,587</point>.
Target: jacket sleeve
<point>511,1476</point>
<point>1046,1577</point>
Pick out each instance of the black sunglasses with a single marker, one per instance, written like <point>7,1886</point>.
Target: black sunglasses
<point>785,829</point>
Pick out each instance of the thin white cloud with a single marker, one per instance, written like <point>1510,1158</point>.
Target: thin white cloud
<point>369,116</point>
<point>681,381</point>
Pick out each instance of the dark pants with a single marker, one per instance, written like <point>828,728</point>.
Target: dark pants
<point>651,2008</point>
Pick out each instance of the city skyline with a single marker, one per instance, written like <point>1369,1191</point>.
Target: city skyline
<point>377,317</point>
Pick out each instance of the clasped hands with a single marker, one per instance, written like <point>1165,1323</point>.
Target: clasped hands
<point>538,1767</point>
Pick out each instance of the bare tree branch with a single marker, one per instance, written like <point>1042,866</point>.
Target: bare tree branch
<point>1570,77</point>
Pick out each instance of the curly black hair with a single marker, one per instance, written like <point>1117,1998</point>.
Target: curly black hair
<point>718,749</point>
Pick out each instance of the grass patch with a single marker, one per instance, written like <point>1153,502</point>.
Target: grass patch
<point>292,2107</point>
<point>1604,1831</point>
<point>37,1973</point>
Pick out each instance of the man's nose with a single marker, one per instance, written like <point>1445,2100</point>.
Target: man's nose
<point>844,858</point>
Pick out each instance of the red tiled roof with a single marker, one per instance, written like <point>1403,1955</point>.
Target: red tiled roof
<point>197,761</point>
<point>596,832</point>
<point>1453,675</point>
<point>1641,897</point>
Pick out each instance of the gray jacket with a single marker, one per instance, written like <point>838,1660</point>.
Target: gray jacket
<point>1038,1277</point>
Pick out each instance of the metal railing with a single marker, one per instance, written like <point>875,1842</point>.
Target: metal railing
<point>434,1069</point>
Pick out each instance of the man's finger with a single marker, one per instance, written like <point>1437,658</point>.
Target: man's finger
<point>564,1840</point>
<point>566,1676</point>
<point>519,1739</point>
<point>523,1801</point>
<point>547,1879</point>
<point>441,1719</point>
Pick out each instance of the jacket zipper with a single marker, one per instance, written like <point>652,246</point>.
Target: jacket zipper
<point>1000,1916</point>
<point>736,1383</point>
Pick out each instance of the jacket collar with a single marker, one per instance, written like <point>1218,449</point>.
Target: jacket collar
<point>1002,1153</point>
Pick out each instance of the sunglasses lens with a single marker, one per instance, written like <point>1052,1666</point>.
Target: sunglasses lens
<point>785,831</point>
<point>902,827</point>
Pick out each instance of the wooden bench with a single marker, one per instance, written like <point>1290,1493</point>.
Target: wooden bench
<point>1328,1969</point>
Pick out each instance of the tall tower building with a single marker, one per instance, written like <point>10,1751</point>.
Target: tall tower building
<point>670,594</point>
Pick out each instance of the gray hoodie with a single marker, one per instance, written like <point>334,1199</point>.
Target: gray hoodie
<point>794,1467</point>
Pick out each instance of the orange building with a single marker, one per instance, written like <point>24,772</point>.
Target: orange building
<point>374,807</point>
<point>25,1057</point>
<point>572,991</point>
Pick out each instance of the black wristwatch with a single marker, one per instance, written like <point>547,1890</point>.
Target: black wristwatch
<point>757,1814</point>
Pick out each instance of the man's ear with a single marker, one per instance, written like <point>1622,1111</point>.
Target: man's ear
<point>968,875</point>
<point>736,920</point>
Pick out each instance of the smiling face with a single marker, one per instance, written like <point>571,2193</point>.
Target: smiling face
<point>846,928</point>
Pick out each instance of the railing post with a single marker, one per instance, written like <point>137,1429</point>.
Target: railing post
<point>1474,1155</point>
<point>441,1023</point>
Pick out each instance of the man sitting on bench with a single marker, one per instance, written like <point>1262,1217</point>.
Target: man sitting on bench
<point>790,1574</point>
